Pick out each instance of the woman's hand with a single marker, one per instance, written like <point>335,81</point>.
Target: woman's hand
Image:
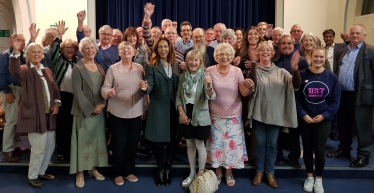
<point>98,109</point>
<point>236,61</point>
<point>318,118</point>
<point>184,119</point>
<point>61,28</point>
<point>249,84</point>
<point>308,119</point>
<point>15,43</point>
<point>149,8</point>
<point>208,80</point>
<point>55,108</point>
<point>144,115</point>
<point>143,85</point>
<point>33,32</point>
<point>111,93</point>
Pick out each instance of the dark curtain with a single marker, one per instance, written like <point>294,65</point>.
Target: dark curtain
<point>201,13</point>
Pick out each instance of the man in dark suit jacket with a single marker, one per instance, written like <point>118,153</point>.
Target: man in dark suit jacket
<point>355,71</point>
<point>332,50</point>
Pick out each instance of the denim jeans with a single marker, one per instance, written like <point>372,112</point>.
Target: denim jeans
<point>266,146</point>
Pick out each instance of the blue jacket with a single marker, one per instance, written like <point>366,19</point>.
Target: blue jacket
<point>5,77</point>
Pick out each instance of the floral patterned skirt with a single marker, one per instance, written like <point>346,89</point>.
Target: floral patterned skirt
<point>226,145</point>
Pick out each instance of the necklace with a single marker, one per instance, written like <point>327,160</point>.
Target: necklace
<point>227,70</point>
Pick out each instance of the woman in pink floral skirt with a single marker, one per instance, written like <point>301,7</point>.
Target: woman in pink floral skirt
<point>226,145</point>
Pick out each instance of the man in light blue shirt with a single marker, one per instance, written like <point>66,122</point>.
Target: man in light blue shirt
<point>355,71</point>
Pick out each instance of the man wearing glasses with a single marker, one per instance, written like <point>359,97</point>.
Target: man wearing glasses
<point>186,41</point>
<point>296,32</point>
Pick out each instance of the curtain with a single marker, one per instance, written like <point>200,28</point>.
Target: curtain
<point>200,13</point>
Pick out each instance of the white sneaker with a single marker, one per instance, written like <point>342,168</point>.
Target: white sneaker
<point>318,187</point>
<point>308,184</point>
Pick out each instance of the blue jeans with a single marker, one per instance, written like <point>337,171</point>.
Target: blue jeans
<point>266,146</point>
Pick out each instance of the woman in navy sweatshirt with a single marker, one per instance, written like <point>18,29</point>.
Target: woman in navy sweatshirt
<point>317,101</point>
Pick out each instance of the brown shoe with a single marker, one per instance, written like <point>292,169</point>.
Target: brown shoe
<point>10,157</point>
<point>271,180</point>
<point>20,150</point>
<point>257,180</point>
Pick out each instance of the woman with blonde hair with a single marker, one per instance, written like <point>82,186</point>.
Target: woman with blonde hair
<point>194,90</point>
<point>308,43</point>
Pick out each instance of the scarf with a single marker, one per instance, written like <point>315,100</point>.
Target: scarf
<point>190,80</point>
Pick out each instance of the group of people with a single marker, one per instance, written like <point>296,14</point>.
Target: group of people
<point>210,92</point>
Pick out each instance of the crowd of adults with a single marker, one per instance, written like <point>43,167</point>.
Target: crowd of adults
<point>222,90</point>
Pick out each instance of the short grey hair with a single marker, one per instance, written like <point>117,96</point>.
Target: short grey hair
<point>228,33</point>
<point>297,25</point>
<point>222,46</point>
<point>87,40</point>
<point>278,29</point>
<point>105,27</point>
<point>30,46</point>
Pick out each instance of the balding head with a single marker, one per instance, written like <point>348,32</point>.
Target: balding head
<point>166,23</point>
<point>218,29</point>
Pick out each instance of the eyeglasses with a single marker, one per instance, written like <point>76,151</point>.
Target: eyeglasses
<point>115,37</point>
<point>104,34</point>
<point>170,33</point>
<point>186,30</point>
<point>224,54</point>
<point>69,48</point>
<point>294,31</point>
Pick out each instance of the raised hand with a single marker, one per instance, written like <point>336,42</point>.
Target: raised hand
<point>208,80</point>
<point>344,36</point>
<point>111,93</point>
<point>15,43</point>
<point>236,61</point>
<point>182,65</point>
<point>149,8</point>
<point>61,28</point>
<point>295,60</point>
<point>33,32</point>
<point>143,85</point>
<point>81,15</point>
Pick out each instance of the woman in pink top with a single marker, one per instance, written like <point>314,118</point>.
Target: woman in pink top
<point>226,145</point>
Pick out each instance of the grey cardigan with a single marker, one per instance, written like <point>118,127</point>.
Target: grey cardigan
<point>200,112</point>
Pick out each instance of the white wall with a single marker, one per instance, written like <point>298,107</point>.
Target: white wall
<point>315,16</point>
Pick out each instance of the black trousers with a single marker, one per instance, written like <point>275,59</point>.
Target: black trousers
<point>346,120</point>
<point>64,124</point>
<point>364,117</point>
<point>294,138</point>
<point>125,135</point>
<point>314,138</point>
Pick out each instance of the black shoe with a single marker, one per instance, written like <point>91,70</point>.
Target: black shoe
<point>295,163</point>
<point>360,162</point>
<point>167,177</point>
<point>278,162</point>
<point>36,183</point>
<point>159,179</point>
<point>339,153</point>
<point>334,136</point>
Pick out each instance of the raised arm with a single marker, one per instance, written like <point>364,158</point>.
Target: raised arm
<point>296,77</point>
<point>148,11</point>
<point>81,17</point>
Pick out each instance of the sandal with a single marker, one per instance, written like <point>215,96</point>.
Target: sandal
<point>219,177</point>
<point>47,177</point>
<point>230,179</point>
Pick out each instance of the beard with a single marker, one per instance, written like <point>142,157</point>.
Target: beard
<point>200,46</point>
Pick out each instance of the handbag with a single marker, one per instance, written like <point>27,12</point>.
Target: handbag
<point>204,182</point>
